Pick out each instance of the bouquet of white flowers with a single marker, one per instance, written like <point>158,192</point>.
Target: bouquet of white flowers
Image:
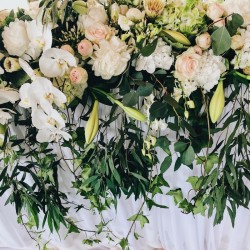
<point>160,68</point>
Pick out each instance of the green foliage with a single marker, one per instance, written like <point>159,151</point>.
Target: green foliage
<point>221,40</point>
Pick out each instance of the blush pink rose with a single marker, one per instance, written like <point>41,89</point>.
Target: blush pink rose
<point>78,75</point>
<point>85,48</point>
<point>98,32</point>
<point>187,65</point>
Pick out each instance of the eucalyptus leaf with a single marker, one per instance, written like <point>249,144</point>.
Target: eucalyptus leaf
<point>221,41</point>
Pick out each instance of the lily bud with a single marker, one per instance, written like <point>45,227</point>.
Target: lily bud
<point>131,112</point>
<point>177,36</point>
<point>217,103</point>
<point>92,124</point>
<point>3,129</point>
<point>80,7</point>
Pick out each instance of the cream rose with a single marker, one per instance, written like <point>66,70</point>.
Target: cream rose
<point>204,41</point>
<point>215,11</point>
<point>219,22</point>
<point>187,65</point>
<point>237,42</point>
<point>15,38</point>
<point>98,32</point>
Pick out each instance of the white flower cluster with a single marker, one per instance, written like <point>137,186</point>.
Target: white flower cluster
<point>242,58</point>
<point>156,125</point>
<point>39,96</point>
<point>161,58</point>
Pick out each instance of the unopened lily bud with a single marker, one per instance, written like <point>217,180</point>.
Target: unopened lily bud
<point>217,103</point>
<point>11,64</point>
<point>190,104</point>
<point>237,42</point>
<point>68,48</point>
<point>215,11</point>
<point>85,48</point>
<point>247,70</point>
<point>92,124</point>
<point>78,75</point>
<point>186,114</point>
<point>114,12</point>
<point>177,36</point>
<point>204,41</point>
<point>220,22</point>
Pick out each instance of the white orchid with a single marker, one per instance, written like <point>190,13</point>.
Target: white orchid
<point>56,62</point>
<point>28,70</point>
<point>4,117</point>
<point>8,95</point>
<point>40,37</point>
<point>41,92</point>
<point>49,126</point>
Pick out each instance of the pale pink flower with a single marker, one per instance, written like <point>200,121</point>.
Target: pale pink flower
<point>85,48</point>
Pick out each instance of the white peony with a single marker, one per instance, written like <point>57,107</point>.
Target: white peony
<point>110,58</point>
<point>15,38</point>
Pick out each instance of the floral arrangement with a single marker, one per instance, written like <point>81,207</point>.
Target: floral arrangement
<point>101,88</point>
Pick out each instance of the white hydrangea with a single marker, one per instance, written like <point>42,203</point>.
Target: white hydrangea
<point>110,58</point>
<point>161,58</point>
<point>210,72</point>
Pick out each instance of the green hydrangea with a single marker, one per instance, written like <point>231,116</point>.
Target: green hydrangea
<point>187,19</point>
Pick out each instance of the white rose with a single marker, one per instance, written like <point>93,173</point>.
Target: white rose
<point>98,14</point>
<point>15,38</point>
<point>111,58</point>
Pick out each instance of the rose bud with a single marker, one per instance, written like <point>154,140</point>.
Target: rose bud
<point>123,9</point>
<point>78,75</point>
<point>237,42</point>
<point>68,48</point>
<point>11,64</point>
<point>85,48</point>
<point>204,41</point>
<point>215,11</point>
